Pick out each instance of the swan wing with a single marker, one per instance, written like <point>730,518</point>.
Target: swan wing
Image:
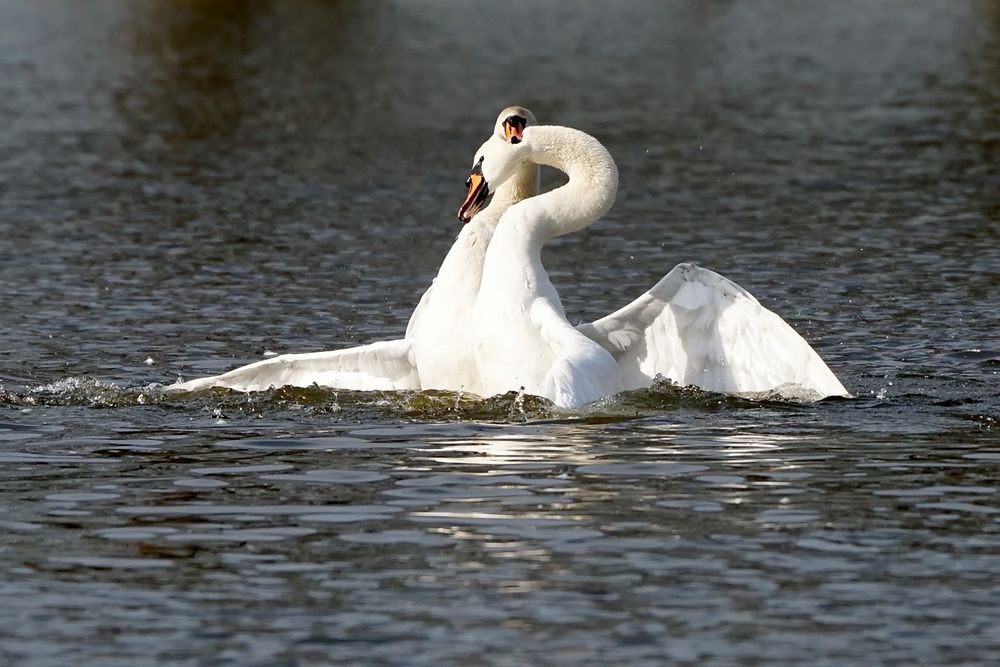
<point>697,327</point>
<point>581,372</point>
<point>382,365</point>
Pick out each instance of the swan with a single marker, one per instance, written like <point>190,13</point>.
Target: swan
<point>522,337</point>
<point>694,326</point>
<point>435,352</point>
<point>442,351</point>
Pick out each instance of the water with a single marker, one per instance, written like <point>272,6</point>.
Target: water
<point>186,186</point>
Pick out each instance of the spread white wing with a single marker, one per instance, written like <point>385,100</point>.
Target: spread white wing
<point>382,365</point>
<point>696,327</point>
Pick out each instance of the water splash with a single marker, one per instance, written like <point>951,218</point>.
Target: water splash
<point>432,405</point>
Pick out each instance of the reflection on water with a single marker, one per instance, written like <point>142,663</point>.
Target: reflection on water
<point>374,536</point>
<point>186,185</point>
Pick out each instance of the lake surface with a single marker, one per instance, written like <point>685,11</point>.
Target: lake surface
<point>186,186</point>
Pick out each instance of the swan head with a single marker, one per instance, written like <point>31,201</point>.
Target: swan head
<point>496,161</point>
<point>511,123</point>
<point>509,129</point>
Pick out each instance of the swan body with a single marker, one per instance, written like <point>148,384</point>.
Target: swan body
<point>438,328</point>
<point>523,339</point>
<point>693,327</point>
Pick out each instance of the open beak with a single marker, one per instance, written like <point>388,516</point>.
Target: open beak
<point>513,129</point>
<point>476,197</point>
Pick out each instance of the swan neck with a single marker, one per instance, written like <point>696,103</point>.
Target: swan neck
<point>592,185</point>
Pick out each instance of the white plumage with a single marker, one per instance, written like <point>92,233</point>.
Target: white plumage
<point>492,321</point>
<point>696,327</point>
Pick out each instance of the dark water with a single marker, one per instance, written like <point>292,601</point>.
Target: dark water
<point>184,186</point>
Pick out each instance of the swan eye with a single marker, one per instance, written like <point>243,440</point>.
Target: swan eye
<point>468,182</point>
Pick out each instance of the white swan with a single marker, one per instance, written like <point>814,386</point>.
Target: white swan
<point>693,327</point>
<point>436,352</point>
<point>442,349</point>
<point>522,337</point>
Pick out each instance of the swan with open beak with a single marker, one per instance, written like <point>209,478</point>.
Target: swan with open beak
<point>510,126</point>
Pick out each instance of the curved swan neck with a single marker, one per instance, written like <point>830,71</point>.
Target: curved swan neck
<point>592,186</point>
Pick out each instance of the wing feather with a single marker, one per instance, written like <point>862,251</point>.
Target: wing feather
<point>696,327</point>
<point>381,365</point>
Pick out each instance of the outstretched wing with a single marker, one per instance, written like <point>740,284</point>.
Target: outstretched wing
<point>696,327</point>
<point>382,365</point>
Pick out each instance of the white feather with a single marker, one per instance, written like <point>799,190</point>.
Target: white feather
<point>696,327</point>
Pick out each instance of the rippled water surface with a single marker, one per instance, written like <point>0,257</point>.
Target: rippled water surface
<point>187,186</point>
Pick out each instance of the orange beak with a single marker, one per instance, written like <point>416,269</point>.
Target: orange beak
<point>476,196</point>
<point>513,129</point>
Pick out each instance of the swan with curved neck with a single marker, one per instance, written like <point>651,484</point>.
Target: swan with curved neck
<point>521,334</point>
<point>492,321</point>
<point>443,354</point>
<point>693,327</point>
